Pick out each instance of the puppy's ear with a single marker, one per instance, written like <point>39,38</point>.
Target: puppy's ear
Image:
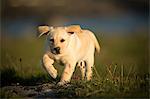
<point>73,29</point>
<point>44,30</point>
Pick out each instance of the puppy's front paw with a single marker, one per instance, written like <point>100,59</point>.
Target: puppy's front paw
<point>62,83</point>
<point>54,74</point>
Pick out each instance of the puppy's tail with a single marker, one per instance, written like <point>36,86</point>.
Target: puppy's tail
<point>97,46</point>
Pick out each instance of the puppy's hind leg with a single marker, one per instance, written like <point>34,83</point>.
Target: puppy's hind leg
<point>90,63</point>
<point>82,65</point>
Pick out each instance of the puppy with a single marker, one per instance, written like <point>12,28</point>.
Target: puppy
<point>71,46</point>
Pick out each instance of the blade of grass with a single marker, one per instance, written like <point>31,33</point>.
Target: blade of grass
<point>109,71</point>
<point>114,70</point>
<point>131,68</point>
<point>94,92</point>
<point>96,72</point>
<point>122,74</point>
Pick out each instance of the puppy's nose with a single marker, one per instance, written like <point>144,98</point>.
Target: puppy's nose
<point>57,49</point>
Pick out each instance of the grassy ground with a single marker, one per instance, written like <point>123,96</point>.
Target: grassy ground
<point>122,68</point>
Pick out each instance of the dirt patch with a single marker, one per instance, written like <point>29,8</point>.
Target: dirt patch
<point>40,91</point>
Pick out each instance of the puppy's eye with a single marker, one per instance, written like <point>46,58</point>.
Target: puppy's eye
<point>62,40</point>
<point>51,40</point>
<point>71,32</point>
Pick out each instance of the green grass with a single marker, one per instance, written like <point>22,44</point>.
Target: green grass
<point>115,83</point>
<point>122,67</point>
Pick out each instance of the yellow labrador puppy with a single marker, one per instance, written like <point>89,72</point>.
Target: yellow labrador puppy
<point>72,46</point>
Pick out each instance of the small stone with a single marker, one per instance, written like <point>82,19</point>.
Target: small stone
<point>18,84</point>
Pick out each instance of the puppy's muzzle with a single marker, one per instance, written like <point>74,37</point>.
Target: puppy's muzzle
<point>56,50</point>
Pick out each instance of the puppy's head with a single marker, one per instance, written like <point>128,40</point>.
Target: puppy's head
<point>58,38</point>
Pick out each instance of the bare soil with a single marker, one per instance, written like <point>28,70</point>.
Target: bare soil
<point>39,91</point>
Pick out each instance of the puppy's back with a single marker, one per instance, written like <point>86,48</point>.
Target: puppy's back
<point>93,38</point>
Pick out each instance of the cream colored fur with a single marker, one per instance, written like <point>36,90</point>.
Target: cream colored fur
<point>78,48</point>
